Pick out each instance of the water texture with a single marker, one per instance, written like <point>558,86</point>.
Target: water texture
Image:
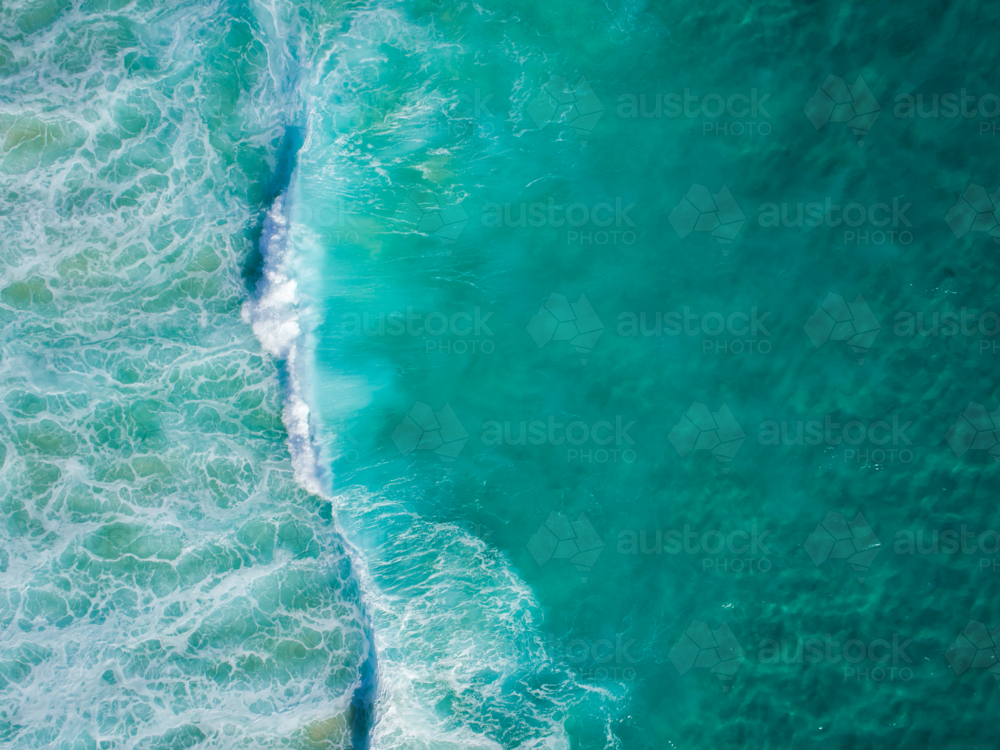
<point>504,375</point>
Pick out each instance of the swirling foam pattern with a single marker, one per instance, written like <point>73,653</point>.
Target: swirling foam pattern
<point>164,582</point>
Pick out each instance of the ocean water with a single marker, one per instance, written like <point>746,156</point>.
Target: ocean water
<point>499,375</point>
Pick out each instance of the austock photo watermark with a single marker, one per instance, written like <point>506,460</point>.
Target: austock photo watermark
<point>598,223</point>
<point>469,115</point>
<point>865,443</point>
<point>836,319</point>
<point>596,659</point>
<point>892,657</point>
<point>837,543</point>
<point>609,222</point>
<point>868,443</point>
<point>838,101</point>
<point>700,429</point>
<point>977,429</point>
<point>736,114</point>
<point>885,659</point>
<point>975,211</point>
<point>566,101</point>
<point>339,219</point>
<point>859,223</point>
<point>876,223</point>
<point>604,441</point>
<point>984,545</point>
<point>858,659</point>
<point>718,333</point>
<point>976,647</point>
<point>409,537</point>
<point>575,541</point>
<point>600,442</point>
<point>716,650</point>
<point>856,324</point>
<point>436,213</point>
<point>737,551</point>
<point>720,214</point>
<point>561,319</point>
<point>464,113</point>
<point>949,324</point>
<point>837,538</point>
<point>346,444</point>
<point>424,429</point>
<point>432,214</point>
<point>424,211</point>
<point>739,332</point>
<point>862,442</point>
<point>950,105</point>
<point>462,332</point>
<point>615,657</point>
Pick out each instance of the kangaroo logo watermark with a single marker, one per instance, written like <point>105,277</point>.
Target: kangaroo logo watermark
<point>703,429</point>
<point>702,647</point>
<point>562,539</point>
<point>347,444</point>
<point>839,320</point>
<point>426,213</point>
<point>976,211</point>
<point>575,104</point>
<point>424,429</point>
<point>837,539</point>
<point>976,429</point>
<point>561,320</point>
<point>703,211</point>
<point>835,101</point>
<point>976,647</point>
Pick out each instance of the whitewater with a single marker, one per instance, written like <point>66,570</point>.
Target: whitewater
<point>180,567</point>
<point>463,629</point>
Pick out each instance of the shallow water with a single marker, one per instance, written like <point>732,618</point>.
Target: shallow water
<point>435,375</point>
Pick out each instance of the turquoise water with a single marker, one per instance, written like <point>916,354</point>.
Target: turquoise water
<point>505,375</point>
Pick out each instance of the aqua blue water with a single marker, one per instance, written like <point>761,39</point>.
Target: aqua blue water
<point>504,375</point>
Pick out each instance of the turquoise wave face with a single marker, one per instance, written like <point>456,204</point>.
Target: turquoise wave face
<point>438,375</point>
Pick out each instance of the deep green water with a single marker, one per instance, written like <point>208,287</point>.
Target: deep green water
<point>505,375</point>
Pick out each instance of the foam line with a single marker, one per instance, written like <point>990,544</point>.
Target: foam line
<point>274,316</point>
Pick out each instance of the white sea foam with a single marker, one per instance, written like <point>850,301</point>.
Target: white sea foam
<point>452,622</point>
<point>153,528</point>
<point>274,316</point>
